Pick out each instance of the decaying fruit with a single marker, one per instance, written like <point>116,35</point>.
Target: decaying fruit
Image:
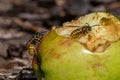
<point>93,55</point>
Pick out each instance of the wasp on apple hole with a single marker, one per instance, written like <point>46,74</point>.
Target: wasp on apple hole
<point>83,30</point>
<point>31,44</point>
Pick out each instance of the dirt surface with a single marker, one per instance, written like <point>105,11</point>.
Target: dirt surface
<point>20,19</point>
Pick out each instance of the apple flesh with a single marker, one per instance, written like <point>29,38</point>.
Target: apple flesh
<point>61,57</point>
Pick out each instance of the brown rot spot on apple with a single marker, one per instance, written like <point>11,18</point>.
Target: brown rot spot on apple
<point>66,42</point>
<point>105,21</point>
<point>54,53</point>
<point>89,37</point>
<point>100,69</point>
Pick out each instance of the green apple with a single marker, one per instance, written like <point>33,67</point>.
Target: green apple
<point>93,56</point>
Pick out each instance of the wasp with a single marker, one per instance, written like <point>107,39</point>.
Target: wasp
<point>32,43</point>
<point>79,32</point>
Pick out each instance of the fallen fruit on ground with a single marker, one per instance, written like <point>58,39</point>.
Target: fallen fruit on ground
<point>72,52</point>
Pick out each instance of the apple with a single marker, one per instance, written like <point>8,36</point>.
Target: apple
<point>93,56</point>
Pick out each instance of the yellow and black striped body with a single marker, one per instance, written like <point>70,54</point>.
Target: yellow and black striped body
<point>31,49</point>
<point>32,43</point>
<point>36,38</point>
<point>79,32</point>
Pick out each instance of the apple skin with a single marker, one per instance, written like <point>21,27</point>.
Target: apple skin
<point>62,58</point>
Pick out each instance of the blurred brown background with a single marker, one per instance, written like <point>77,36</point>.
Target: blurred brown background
<point>20,19</point>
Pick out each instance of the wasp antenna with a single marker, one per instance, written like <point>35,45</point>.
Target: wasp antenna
<point>73,26</point>
<point>96,25</point>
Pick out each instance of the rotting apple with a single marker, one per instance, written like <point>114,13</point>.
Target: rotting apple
<point>93,56</point>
